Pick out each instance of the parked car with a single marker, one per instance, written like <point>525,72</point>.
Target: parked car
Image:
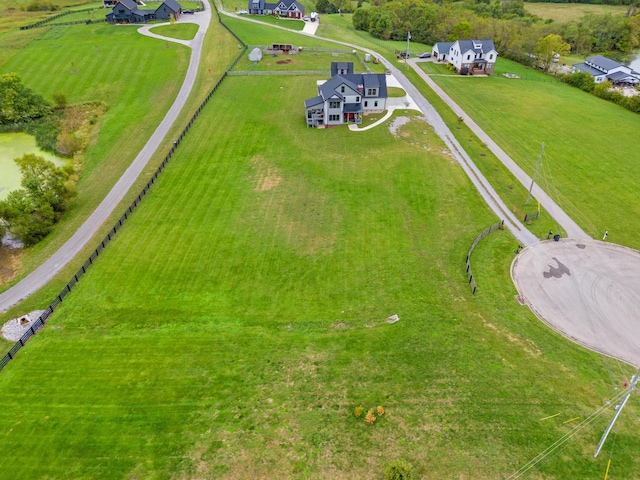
<point>242,12</point>
<point>404,55</point>
<point>305,18</point>
<point>188,11</point>
<point>425,55</point>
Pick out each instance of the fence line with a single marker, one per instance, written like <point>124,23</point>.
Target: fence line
<point>42,319</point>
<point>42,23</point>
<point>240,73</point>
<point>492,228</point>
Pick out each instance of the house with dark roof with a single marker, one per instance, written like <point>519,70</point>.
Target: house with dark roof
<point>475,57</point>
<point>283,8</point>
<point>440,51</point>
<point>603,69</point>
<point>346,97</point>
<point>127,11</point>
<point>168,8</point>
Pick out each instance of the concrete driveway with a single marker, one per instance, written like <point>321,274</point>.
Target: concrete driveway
<point>587,290</point>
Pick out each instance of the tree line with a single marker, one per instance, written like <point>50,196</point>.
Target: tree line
<point>514,32</point>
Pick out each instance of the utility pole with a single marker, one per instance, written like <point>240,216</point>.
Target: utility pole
<point>619,407</point>
<point>406,54</point>
<point>535,173</point>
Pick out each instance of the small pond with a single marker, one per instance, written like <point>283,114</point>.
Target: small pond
<point>14,145</point>
<point>635,61</point>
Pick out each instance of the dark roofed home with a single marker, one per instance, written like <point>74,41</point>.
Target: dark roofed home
<point>346,97</point>
<point>127,11</point>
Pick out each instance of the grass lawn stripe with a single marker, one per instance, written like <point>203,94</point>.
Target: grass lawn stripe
<point>235,323</point>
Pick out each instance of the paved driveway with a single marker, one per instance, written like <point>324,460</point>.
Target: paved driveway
<point>587,290</point>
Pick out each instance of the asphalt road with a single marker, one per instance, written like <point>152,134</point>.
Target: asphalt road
<point>569,226</point>
<point>45,272</point>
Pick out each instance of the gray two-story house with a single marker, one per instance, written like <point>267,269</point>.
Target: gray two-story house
<point>283,8</point>
<point>346,97</point>
<point>127,11</point>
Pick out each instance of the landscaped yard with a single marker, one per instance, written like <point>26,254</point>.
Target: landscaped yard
<point>251,323</point>
<point>182,31</point>
<point>588,176</point>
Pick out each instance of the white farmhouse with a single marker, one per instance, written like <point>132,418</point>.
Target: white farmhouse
<point>603,69</point>
<point>475,57</point>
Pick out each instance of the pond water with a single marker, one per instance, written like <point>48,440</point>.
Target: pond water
<point>635,61</point>
<point>14,145</point>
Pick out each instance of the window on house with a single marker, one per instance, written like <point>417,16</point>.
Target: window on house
<point>468,57</point>
<point>375,104</point>
<point>358,99</point>
<point>489,65</point>
<point>342,89</point>
<point>491,57</point>
<point>334,118</point>
<point>334,104</point>
<point>366,104</point>
<point>372,92</point>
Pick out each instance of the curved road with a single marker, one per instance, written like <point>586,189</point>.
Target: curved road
<point>45,272</point>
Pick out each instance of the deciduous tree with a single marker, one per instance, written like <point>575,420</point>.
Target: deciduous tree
<point>547,48</point>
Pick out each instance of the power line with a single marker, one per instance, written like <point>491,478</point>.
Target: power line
<point>565,438</point>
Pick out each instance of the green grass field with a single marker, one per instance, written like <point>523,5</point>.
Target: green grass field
<point>239,338</point>
<point>566,12</point>
<point>239,347</point>
<point>182,31</point>
<point>305,60</point>
<point>85,62</point>
<point>521,114</point>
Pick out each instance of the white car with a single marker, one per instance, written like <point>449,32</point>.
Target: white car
<point>305,18</point>
<point>242,12</point>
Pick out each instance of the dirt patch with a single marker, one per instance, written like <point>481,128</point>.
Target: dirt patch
<point>284,62</point>
<point>267,176</point>
<point>397,123</point>
<point>9,264</point>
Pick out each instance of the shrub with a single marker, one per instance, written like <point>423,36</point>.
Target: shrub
<point>370,418</point>
<point>68,144</point>
<point>399,470</point>
<point>60,99</point>
<point>41,6</point>
<point>358,411</point>
<point>380,410</point>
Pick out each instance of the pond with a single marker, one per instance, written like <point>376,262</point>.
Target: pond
<point>635,62</point>
<point>14,145</point>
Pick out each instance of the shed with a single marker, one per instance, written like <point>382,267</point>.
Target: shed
<point>255,55</point>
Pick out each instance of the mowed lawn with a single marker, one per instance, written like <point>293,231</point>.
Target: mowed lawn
<point>87,63</point>
<point>565,12</point>
<point>589,166</point>
<point>239,318</point>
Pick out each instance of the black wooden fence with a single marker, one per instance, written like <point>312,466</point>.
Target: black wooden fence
<point>43,23</point>
<point>492,228</point>
<point>42,319</point>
